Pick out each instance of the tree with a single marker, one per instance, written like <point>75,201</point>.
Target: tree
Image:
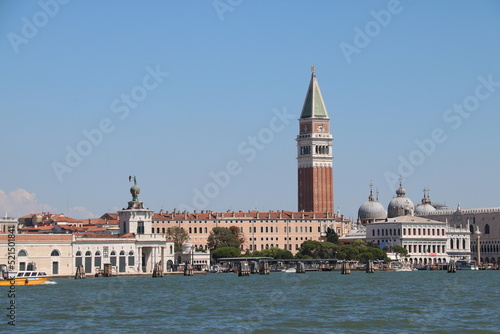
<point>317,250</point>
<point>237,233</point>
<point>222,237</point>
<point>347,253</point>
<point>178,235</point>
<point>226,252</point>
<point>399,251</point>
<point>332,236</point>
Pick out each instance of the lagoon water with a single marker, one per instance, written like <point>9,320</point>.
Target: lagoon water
<point>314,302</point>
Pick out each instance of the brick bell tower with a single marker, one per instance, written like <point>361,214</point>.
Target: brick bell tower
<point>314,153</point>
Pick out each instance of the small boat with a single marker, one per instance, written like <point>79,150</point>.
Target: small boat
<point>403,269</point>
<point>290,270</point>
<point>24,278</point>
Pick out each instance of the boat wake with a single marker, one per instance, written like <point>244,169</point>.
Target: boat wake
<point>49,282</point>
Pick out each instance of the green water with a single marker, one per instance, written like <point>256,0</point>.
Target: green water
<point>315,302</point>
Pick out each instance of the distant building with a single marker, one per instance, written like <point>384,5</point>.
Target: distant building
<point>425,240</point>
<point>6,223</point>
<point>260,230</point>
<point>428,241</point>
<point>314,154</point>
<point>484,220</point>
<point>136,250</point>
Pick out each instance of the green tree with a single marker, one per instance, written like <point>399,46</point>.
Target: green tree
<point>237,233</point>
<point>332,236</point>
<point>222,252</point>
<point>399,251</point>
<point>222,237</point>
<point>317,250</point>
<point>347,253</point>
<point>366,256</point>
<point>178,235</point>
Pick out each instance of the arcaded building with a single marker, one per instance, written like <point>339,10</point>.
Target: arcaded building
<point>483,224</point>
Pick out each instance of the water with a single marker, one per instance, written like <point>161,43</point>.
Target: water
<point>315,302</point>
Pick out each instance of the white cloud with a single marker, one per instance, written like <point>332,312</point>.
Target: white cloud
<point>21,202</point>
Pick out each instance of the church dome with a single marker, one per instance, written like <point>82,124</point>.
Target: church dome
<point>426,207</point>
<point>371,210</point>
<point>400,205</point>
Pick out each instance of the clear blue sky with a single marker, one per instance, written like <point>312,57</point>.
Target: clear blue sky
<point>69,68</point>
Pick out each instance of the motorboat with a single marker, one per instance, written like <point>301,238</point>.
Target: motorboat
<point>24,278</point>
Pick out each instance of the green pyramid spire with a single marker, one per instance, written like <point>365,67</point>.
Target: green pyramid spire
<point>314,106</point>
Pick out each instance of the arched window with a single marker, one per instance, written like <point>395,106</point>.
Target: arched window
<point>487,229</point>
<point>112,258</point>
<point>88,253</point>
<point>131,258</point>
<point>55,252</point>
<point>22,252</point>
<point>78,259</point>
<point>97,259</point>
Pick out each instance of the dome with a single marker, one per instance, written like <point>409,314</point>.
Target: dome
<point>424,209</point>
<point>400,205</point>
<point>371,210</point>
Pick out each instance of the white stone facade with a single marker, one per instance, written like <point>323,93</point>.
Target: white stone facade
<point>486,220</point>
<point>427,241</point>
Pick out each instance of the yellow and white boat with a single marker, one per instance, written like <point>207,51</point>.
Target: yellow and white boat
<point>24,278</point>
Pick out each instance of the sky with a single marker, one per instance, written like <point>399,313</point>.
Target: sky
<point>200,100</point>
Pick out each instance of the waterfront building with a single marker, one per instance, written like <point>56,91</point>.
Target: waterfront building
<point>428,241</point>
<point>135,251</point>
<point>484,220</point>
<point>200,259</point>
<point>314,154</point>
<point>425,240</point>
<point>260,230</point>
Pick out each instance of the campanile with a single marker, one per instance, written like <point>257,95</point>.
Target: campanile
<point>314,153</point>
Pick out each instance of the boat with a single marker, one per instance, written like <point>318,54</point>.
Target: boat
<point>463,265</point>
<point>290,270</point>
<point>24,278</point>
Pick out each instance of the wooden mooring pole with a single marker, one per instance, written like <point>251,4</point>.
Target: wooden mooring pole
<point>80,272</point>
